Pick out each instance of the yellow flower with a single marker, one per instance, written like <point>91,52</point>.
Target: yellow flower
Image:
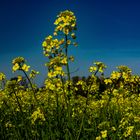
<point>113,128</point>
<point>19,78</point>
<point>66,31</point>
<point>115,75</point>
<point>73,36</point>
<point>92,69</point>
<point>37,115</point>
<point>51,74</point>
<point>58,68</point>
<point>64,61</point>
<point>71,58</point>
<point>49,37</point>
<point>25,67</point>
<point>66,22</point>
<point>16,67</point>
<point>108,81</point>
<point>104,133</point>
<point>128,131</point>
<point>68,42</point>
<point>18,60</point>
<point>61,41</point>
<point>55,33</point>
<point>33,73</point>
<point>2,76</point>
<point>44,44</point>
<point>98,138</point>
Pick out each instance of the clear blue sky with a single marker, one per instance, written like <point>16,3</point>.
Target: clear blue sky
<point>108,31</point>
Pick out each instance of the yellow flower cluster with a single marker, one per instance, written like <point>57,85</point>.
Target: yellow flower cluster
<point>37,115</point>
<point>19,64</point>
<point>99,67</point>
<point>66,22</point>
<point>2,76</point>
<point>18,60</point>
<point>51,46</point>
<point>57,71</point>
<point>33,73</point>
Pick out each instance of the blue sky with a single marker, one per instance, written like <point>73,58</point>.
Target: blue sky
<point>108,31</point>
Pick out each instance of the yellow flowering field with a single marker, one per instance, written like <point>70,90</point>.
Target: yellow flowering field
<point>95,108</point>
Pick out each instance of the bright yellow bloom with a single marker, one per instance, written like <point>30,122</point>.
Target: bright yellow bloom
<point>98,138</point>
<point>51,74</point>
<point>64,61</point>
<point>58,68</point>
<point>37,115</point>
<point>19,78</point>
<point>65,22</point>
<point>128,131</point>
<point>115,75</point>
<point>104,133</point>
<point>92,69</point>
<point>108,81</point>
<point>25,67</point>
<point>33,73</point>
<point>18,60</point>
<point>44,44</point>
<point>2,76</point>
<point>16,67</point>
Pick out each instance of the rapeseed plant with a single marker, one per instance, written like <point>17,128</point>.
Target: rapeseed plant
<point>95,108</point>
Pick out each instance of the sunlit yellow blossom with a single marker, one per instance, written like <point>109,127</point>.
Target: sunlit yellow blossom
<point>2,76</point>
<point>65,22</point>
<point>64,61</point>
<point>19,78</point>
<point>37,115</point>
<point>25,67</point>
<point>124,68</point>
<point>16,67</point>
<point>33,73</point>
<point>108,81</point>
<point>66,31</point>
<point>104,133</point>
<point>128,131</point>
<point>49,38</point>
<point>92,69</point>
<point>100,66</point>
<point>44,44</point>
<point>18,60</point>
<point>51,74</point>
<point>113,128</point>
<point>98,138</point>
<point>61,41</point>
<point>115,75</point>
<point>58,68</point>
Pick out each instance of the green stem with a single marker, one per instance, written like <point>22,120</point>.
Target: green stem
<point>30,84</point>
<point>22,115</point>
<point>66,52</point>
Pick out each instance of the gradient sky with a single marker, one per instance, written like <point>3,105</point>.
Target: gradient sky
<point>108,31</point>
